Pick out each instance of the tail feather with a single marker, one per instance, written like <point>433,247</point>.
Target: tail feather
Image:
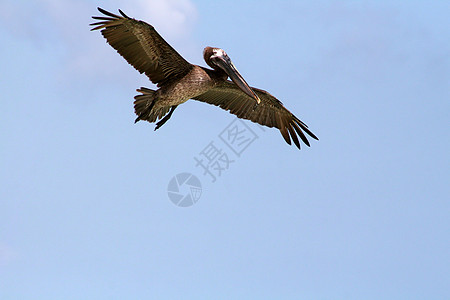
<point>144,106</point>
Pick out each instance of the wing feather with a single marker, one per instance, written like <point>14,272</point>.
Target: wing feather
<point>270,112</point>
<point>141,45</point>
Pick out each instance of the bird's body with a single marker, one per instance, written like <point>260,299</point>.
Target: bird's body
<point>198,81</point>
<point>179,81</point>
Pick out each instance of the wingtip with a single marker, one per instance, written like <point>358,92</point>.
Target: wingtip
<point>107,13</point>
<point>312,135</point>
<point>123,14</point>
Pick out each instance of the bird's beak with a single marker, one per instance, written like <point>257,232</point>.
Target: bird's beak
<point>224,62</point>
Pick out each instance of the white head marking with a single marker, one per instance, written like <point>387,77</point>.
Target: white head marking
<point>219,52</point>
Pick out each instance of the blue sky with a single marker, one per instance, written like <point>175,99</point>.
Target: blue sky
<point>361,214</point>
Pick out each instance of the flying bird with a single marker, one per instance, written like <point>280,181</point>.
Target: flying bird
<point>178,80</point>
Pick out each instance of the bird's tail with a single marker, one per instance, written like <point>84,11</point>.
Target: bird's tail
<point>144,106</point>
<point>144,103</point>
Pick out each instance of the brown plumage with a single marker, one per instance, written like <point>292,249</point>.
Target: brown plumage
<point>179,81</point>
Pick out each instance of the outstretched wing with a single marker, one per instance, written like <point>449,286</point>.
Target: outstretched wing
<point>141,45</point>
<point>270,112</point>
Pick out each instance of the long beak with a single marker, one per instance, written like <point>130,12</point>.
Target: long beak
<point>224,62</point>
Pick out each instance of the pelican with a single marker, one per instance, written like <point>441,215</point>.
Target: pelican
<point>178,80</point>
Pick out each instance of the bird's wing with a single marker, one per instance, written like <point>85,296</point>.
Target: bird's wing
<point>270,112</point>
<point>141,45</point>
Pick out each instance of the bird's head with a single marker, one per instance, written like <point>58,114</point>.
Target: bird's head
<point>218,59</point>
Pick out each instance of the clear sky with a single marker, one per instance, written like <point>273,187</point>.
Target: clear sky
<point>362,214</point>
